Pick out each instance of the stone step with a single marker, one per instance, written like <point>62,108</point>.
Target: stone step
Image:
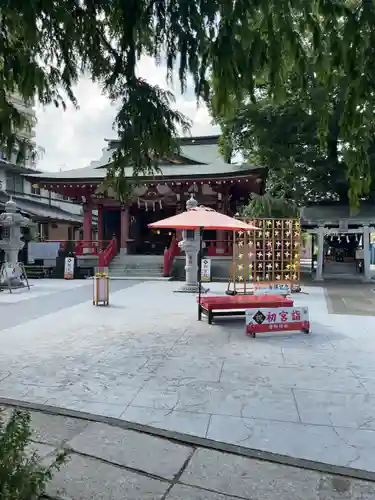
<point>137,264</point>
<point>136,259</point>
<point>157,269</point>
<point>140,266</point>
<point>135,274</point>
<point>136,269</point>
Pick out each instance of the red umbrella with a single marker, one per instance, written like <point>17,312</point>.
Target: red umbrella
<point>202,218</point>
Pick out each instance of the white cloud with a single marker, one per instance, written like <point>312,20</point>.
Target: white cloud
<point>73,138</point>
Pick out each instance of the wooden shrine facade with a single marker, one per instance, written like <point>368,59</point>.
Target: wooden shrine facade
<point>224,187</point>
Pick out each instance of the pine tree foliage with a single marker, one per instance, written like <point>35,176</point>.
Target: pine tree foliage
<point>46,44</point>
<point>284,138</point>
<point>22,475</point>
<point>267,205</point>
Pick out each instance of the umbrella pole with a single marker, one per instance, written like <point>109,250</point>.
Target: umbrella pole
<point>200,274</point>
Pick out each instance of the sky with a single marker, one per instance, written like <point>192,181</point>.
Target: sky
<point>73,138</point>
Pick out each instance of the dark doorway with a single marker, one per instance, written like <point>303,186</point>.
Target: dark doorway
<point>112,224</point>
<point>153,241</point>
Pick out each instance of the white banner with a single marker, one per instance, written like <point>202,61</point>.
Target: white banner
<point>206,270</point>
<point>42,250</point>
<point>276,318</point>
<point>69,268</point>
<point>272,289</point>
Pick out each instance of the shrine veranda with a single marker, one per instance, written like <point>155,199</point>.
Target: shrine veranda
<point>147,359</point>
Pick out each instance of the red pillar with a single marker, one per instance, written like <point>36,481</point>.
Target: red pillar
<point>180,207</point>
<point>221,235</point>
<point>100,223</point>
<point>125,220</point>
<point>87,221</point>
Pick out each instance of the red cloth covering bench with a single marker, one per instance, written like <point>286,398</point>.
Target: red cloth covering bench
<point>235,305</point>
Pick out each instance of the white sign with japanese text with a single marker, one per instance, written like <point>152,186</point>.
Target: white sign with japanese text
<point>206,270</point>
<point>272,289</point>
<point>69,268</point>
<point>277,318</point>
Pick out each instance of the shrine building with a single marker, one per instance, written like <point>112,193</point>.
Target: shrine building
<point>198,169</point>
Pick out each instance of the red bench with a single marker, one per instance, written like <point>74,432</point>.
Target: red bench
<point>235,305</point>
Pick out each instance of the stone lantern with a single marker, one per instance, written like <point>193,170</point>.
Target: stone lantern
<point>11,223</point>
<point>190,245</point>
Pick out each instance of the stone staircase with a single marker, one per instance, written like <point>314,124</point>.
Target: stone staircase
<point>137,267</point>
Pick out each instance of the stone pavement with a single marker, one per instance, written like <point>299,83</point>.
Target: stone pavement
<point>109,460</point>
<point>45,297</point>
<point>147,359</point>
<point>353,299</point>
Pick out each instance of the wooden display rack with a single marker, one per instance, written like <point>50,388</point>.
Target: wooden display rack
<point>270,254</point>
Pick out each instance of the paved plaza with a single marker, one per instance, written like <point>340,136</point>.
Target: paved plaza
<point>147,359</point>
<point>119,462</point>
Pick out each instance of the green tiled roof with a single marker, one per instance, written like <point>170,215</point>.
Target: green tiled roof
<point>202,155</point>
<point>334,213</point>
<point>97,172</point>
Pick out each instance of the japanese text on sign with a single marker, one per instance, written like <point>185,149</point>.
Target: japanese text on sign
<point>272,288</point>
<point>69,268</point>
<point>268,319</point>
<point>206,270</point>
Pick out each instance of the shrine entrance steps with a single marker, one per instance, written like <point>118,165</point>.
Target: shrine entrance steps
<point>137,267</point>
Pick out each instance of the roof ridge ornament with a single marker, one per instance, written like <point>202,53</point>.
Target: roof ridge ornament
<point>192,203</point>
<point>10,206</point>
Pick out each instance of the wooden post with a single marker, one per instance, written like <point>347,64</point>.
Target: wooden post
<point>320,256</point>
<point>100,223</point>
<point>87,221</point>
<point>366,253</point>
<point>125,221</point>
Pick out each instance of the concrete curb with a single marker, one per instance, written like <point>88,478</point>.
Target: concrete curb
<point>143,278</point>
<point>196,441</point>
<point>136,278</point>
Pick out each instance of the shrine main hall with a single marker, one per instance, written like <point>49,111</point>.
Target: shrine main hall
<point>197,169</point>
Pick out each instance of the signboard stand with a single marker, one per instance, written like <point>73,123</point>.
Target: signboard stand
<point>273,288</point>
<point>206,270</point>
<point>266,320</point>
<point>69,268</point>
<point>22,274</point>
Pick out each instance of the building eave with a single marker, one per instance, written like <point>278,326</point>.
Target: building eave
<point>40,211</point>
<point>18,169</point>
<point>198,140</point>
<point>241,172</point>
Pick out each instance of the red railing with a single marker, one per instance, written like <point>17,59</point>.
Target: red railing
<point>169,256</point>
<point>93,247</point>
<point>82,247</point>
<point>105,250</point>
<point>108,254</point>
